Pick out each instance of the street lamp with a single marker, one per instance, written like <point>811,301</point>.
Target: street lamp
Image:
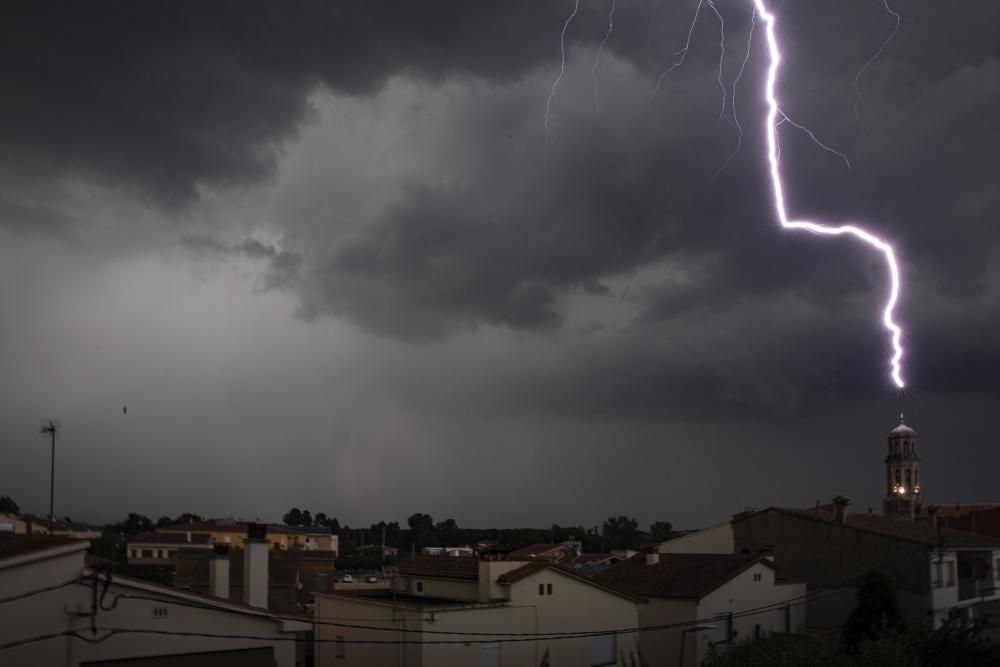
<point>50,427</point>
<point>693,628</point>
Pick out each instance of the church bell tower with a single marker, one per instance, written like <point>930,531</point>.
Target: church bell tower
<point>902,474</point>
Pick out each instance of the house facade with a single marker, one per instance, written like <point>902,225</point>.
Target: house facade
<point>706,599</point>
<point>466,596</point>
<point>64,614</point>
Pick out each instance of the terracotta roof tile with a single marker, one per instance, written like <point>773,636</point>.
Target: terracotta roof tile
<point>449,567</point>
<point>19,545</point>
<point>676,575</point>
<point>920,532</point>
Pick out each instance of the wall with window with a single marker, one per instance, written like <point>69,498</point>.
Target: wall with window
<point>567,604</point>
<point>752,588</point>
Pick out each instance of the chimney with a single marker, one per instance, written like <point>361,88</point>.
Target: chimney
<point>652,557</point>
<point>218,571</point>
<point>766,552</point>
<point>932,512</point>
<point>255,557</point>
<point>840,504</point>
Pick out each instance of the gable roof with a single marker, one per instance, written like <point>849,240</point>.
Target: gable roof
<point>445,567</point>
<point>15,546</point>
<point>905,530</point>
<point>535,551</point>
<point>589,559</point>
<point>228,526</point>
<point>690,576</point>
<point>535,566</point>
<point>170,538</point>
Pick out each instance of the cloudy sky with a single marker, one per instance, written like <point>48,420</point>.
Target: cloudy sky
<point>327,256</point>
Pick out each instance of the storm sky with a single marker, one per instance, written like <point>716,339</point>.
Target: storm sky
<point>326,255</point>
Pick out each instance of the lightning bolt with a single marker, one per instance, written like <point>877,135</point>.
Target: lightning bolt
<point>722,55</point>
<point>739,75</point>
<point>774,118</point>
<point>857,79</point>
<point>682,53</point>
<point>597,57</point>
<point>562,70</point>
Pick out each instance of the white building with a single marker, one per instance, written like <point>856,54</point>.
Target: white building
<point>53,611</point>
<point>694,591</point>
<point>467,596</point>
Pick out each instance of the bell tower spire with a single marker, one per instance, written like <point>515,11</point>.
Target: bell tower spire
<point>902,471</point>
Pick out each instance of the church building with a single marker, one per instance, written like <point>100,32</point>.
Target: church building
<point>902,474</point>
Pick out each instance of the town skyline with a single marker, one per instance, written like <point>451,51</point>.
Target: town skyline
<point>339,264</point>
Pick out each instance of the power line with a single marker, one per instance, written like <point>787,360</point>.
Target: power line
<point>38,591</point>
<point>839,589</point>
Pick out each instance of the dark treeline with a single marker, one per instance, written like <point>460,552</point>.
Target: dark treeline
<point>618,532</point>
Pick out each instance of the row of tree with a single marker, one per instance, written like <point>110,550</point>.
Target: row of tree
<point>617,532</point>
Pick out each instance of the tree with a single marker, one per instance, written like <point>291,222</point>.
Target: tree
<point>136,523</point>
<point>307,519</point>
<point>620,531</point>
<point>421,529</point>
<point>8,505</point>
<point>293,517</point>
<point>876,614</point>
<point>447,533</point>
<point>661,531</point>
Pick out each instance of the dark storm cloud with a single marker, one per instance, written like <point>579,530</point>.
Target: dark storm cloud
<point>165,100</point>
<point>162,97</point>
<point>282,266</point>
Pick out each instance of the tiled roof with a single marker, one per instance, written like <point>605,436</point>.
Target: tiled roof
<point>169,538</point>
<point>588,559</point>
<point>19,545</point>
<point>534,551</point>
<point>946,511</point>
<point>229,526</point>
<point>906,530</point>
<point>676,575</point>
<point>448,567</point>
<point>525,570</point>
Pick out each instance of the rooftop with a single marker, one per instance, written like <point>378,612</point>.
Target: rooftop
<point>677,575</point>
<point>12,546</point>
<point>170,538</point>
<point>417,601</point>
<point>906,530</point>
<point>534,551</point>
<point>448,567</point>
<point>228,526</point>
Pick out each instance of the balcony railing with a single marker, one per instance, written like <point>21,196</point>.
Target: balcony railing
<point>976,589</point>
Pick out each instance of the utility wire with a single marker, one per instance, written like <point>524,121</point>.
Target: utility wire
<point>39,591</point>
<point>839,589</point>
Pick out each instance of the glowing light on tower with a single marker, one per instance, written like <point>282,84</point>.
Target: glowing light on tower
<point>774,117</point>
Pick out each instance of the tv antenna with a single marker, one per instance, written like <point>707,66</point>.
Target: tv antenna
<point>51,428</point>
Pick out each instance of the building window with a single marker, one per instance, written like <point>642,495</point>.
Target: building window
<point>603,650</point>
<point>147,553</point>
<point>420,587</point>
<point>757,576</point>
<point>341,647</point>
<point>548,589</point>
<point>489,655</point>
<point>937,574</point>
<point>541,589</point>
<point>723,628</point>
